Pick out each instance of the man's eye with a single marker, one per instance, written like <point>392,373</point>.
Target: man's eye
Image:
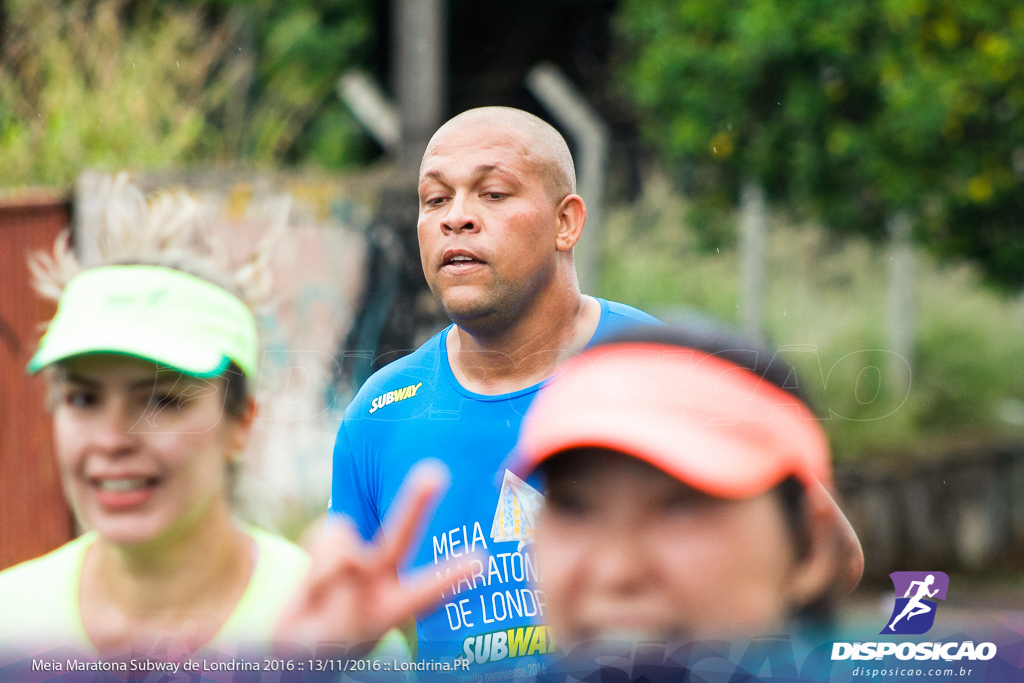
<point>433,201</point>
<point>495,195</point>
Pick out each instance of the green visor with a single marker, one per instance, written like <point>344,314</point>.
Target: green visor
<point>161,314</point>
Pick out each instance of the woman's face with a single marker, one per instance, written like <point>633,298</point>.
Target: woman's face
<point>143,450</point>
<point>625,550</point>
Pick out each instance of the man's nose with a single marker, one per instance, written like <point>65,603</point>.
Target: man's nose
<point>460,215</point>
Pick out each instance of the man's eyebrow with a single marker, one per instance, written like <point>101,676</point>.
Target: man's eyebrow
<point>436,175</point>
<point>481,170</point>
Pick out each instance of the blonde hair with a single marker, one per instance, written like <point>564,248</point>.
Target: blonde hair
<point>167,230</point>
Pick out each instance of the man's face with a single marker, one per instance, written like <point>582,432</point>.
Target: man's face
<point>626,550</point>
<point>487,223</point>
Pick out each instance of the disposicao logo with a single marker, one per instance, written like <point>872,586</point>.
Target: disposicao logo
<point>914,614</point>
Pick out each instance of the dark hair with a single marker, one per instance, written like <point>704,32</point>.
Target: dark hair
<point>758,358</point>
<point>791,493</point>
<point>236,391</point>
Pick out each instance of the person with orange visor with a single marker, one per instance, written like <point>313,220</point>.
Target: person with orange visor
<point>688,493</point>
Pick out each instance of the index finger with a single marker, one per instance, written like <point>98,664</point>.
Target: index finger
<point>420,492</point>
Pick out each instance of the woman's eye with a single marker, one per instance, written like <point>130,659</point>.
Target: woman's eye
<point>678,505</point>
<point>162,401</point>
<point>567,501</point>
<point>80,398</point>
<point>687,503</point>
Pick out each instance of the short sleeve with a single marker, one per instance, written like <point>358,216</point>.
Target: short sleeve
<point>351,489</point>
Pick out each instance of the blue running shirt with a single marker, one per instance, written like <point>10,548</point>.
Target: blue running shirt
<point>412,409</point>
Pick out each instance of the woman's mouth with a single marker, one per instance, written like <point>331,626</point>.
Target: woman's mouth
<point>123,493</point>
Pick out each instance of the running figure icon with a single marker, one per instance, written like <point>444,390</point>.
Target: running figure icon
<point>914,606</point>
<point>917,594</point>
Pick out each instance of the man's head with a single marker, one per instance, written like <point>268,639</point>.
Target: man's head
<point>685,493</point>
<point>498,216</point>
<point>547,147</point>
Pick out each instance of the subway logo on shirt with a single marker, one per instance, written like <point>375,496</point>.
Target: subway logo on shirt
<point>395,396</point>
<point>509,643</point>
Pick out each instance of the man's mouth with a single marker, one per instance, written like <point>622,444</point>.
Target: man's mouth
<point>459,260</point>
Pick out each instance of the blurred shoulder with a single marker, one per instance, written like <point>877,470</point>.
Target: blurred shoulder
<point>64,563</point>
<point>39,598</point>
<point>279,554</point>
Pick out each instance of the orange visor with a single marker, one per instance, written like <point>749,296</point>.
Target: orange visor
<point>706,421</point>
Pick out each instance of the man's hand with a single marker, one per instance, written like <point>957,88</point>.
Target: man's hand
<point>352,593</point>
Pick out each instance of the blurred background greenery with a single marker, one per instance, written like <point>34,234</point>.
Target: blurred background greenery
<point>115,84</point>
<point>845,113</point>
<point>829,292</point>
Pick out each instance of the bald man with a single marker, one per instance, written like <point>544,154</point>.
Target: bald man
<point>498,219</point>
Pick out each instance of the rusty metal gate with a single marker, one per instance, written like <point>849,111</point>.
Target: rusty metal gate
<point>34,517</point>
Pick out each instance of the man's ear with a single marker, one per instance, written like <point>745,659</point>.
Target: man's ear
<point>572,214</point>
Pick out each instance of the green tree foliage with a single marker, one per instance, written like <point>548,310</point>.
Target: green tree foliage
<point>849,110</point>
<point>291,55</point>
<point>113,83</point>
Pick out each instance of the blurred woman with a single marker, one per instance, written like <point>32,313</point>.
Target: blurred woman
<point>150,362</point>
<point>686,493</point>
